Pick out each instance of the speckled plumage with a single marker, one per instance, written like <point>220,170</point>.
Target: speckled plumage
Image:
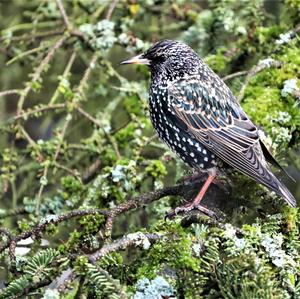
<point>197,115</point>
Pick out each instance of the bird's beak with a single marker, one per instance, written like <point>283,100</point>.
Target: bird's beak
<point>139,59</point>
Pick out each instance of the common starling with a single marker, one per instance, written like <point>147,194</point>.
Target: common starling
<point>198,117</point>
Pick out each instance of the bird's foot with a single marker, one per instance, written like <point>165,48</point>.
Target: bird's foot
<point>189,207</point>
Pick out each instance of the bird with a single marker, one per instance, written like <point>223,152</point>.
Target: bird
<point>195,113</point>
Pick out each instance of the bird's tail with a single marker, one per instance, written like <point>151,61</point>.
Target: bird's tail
<point>283,191</point>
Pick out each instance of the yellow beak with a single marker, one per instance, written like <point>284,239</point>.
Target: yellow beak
<point>137,60</point>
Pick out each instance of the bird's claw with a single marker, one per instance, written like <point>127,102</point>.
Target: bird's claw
<point>190,207</point>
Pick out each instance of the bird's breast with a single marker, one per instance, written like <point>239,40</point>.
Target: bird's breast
<point>174,133</point>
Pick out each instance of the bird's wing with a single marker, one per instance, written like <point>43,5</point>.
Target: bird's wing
<point>210,113</point>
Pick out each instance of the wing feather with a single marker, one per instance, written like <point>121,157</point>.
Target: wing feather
<point>215,119</point>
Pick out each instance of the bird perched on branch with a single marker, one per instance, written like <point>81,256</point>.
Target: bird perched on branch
<point>198,117</point>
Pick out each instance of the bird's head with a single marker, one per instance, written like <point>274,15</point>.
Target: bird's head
<point>168,57</point>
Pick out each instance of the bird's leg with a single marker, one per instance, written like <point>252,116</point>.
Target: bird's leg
<point>196,203</point>
<point>203,190</point>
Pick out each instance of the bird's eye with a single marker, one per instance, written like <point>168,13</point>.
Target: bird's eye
<point>159,59</point>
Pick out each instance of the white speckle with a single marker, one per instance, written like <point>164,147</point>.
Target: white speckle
<point>190,141</point>
<point>205,159</point>
<point>204,151</point>
<point>192,155</point>
<point>201,165</point>
<point>196,160</point>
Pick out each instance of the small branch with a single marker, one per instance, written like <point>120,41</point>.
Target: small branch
<point>65,75</point>
<point>91,171</point>
<point>73,173</point>
<point>8,92</point>
<point>13,212</point>
<point>36,231</point>
<point>38,35</point>
<point>136,239</point>
<point>46,169</point>
<point>38,72</point>
<point>33,111</point>
<point>262,64</point>
<point>6,232</point>
<point>138,201</point>
<point>96,123</point>
<point>111,9</point>
<point>88,116</point>
<point>63,13</point>
<point>87,74</point>
<point>234,75</point>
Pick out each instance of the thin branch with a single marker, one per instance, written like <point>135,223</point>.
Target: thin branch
<point>38,72</point>
<point>36,231</point>
<point>37,110</point>
<point>91,171</point>
<point>234,75</point>
<point>96,123</point>
<point>37,35</point>
<point>111,9</point>
<point>262,64</point>
<point>63,13</point>
<point>46,169</point>
<point>8,92</point>
<point>136,239</point>
<point>13,212</point>
<point>65,74</point>
<point>138,201</point>
<point>6,232</point>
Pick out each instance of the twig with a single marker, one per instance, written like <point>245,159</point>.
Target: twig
<point>87,74</point>
<point>63,13</point>
<point>38,35</point>
<point>111,9</point>
<point>64,75</point>
<point>234,75</point>
<point>38,72</point>
<point>46,169</point>
<point>90,171</point>
<point>73,173</point>
<point>6,232</point>
<point>262,64</point>
<point>33,111</point>
<point>11,91</point>
<point>36,231</point>
<point>122,243</point>
<point>138,201</point>
<point>95,122</point>
<point>13,212</point>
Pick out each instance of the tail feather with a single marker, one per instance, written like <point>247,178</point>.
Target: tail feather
<point>283,191</point>
<point>286,194</point>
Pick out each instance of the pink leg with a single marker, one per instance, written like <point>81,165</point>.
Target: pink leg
<point>196,203</point>
<point>203,190</point>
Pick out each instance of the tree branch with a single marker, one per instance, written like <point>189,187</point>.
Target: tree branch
<point>63,13</point>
